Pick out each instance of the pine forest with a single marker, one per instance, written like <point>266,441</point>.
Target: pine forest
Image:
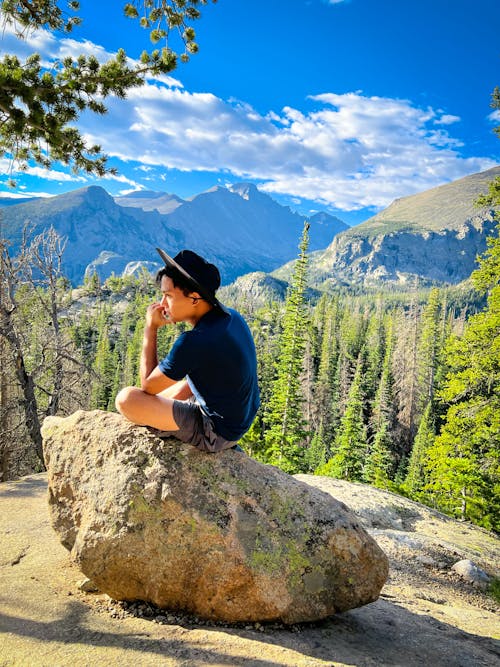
<point>399,390</point>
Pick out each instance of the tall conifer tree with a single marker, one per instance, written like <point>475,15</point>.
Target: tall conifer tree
<point>416,476</point>
<point>428,350</point>
<point>350,444</point>
<point>464,461</point>
<point>103,366</point>
<point>286,428</point>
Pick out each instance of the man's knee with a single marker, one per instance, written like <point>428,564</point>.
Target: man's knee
<point>125,397</point>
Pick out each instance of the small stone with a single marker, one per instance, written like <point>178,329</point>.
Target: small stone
<point>161,619</point>
<point>426,560</point>
<point>87,586</point>
<point>472,573</point>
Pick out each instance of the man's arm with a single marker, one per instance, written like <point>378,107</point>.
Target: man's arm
<point>181,391</point>
<point>153,381</point>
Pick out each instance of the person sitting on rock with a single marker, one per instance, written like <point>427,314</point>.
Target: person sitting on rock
<point>205,391</point>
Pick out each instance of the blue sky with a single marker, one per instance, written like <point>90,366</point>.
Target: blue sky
<point>339,106</point>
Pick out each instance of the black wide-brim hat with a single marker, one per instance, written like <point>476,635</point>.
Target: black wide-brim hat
<point>203,276</point>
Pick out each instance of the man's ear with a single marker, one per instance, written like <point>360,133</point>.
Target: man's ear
<point>195,297</point>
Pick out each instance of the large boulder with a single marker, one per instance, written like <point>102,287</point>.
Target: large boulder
<point>218,535</point>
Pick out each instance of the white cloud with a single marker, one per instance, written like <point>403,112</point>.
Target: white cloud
<point>14,195</point>
<point>53,175</point>
<point>447,119</point>
<point>120,178</point>
<point>25,195</point>
<point>351,151</point>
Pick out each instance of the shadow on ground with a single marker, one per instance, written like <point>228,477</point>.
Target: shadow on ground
<point>380,634</point>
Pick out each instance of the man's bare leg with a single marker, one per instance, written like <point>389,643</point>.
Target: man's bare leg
<point>146,409</point>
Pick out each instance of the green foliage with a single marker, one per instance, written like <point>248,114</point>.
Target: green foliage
<point>464,462</point>
<point>416,477</point>
<point>285,430</point>
<point>380,461</point>
<point>102,367</point>
<point>92,283</point>
<point>492,198</point>
<point>40,13</point>
<point>428,349</point>
<point>318,451</point>
<point>383,403</point>
<point>39,106</point>
<point>351,443</point>
<point>494,589</point>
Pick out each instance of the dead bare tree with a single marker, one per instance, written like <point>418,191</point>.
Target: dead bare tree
<point>35,341</point>
<point>10,270</point>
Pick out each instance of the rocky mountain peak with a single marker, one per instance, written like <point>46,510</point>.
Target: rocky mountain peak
<point>245,190</point>
<point>143,194</point>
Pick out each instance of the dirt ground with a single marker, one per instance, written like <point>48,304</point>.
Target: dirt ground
<point>426,615</point>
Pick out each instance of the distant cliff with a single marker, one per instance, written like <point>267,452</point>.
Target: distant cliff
<point>431,237</point>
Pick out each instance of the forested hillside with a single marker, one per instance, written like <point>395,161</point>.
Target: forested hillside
<point>398,390</point>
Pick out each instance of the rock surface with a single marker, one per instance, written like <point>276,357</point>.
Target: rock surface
<point>45,619</point>
<point>223,537</point>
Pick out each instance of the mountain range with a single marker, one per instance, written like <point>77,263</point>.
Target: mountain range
<point>433,237</point>
<point>239,228</point>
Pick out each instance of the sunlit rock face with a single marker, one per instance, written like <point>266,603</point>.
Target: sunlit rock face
<point>218,535</point>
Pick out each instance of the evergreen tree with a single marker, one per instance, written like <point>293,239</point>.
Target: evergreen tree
<point>318,451</point>
<point>284,420</point>
<point>428,350</point>
<point>103,366</point>
<point>416,477</point>
<point>383,404</point>
<point>324,390</point>
<point>375,344</point>
<point>264,325</point>
<point>379,463</point>
<point>464,461</point>
<point>351,443</point>
<point>92,283</point>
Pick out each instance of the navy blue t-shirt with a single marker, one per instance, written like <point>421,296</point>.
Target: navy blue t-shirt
<point>217,358</point>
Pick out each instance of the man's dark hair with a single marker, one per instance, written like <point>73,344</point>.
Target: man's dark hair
<point>177,278</point>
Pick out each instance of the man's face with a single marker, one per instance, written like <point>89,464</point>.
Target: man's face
<point>178,307</point>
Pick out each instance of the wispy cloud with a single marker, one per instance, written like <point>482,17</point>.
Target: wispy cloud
<point>54,175</point>
<point>447,119</point>
<point>351,151</point>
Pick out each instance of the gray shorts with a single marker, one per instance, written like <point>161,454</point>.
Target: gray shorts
<point>196,428</point>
